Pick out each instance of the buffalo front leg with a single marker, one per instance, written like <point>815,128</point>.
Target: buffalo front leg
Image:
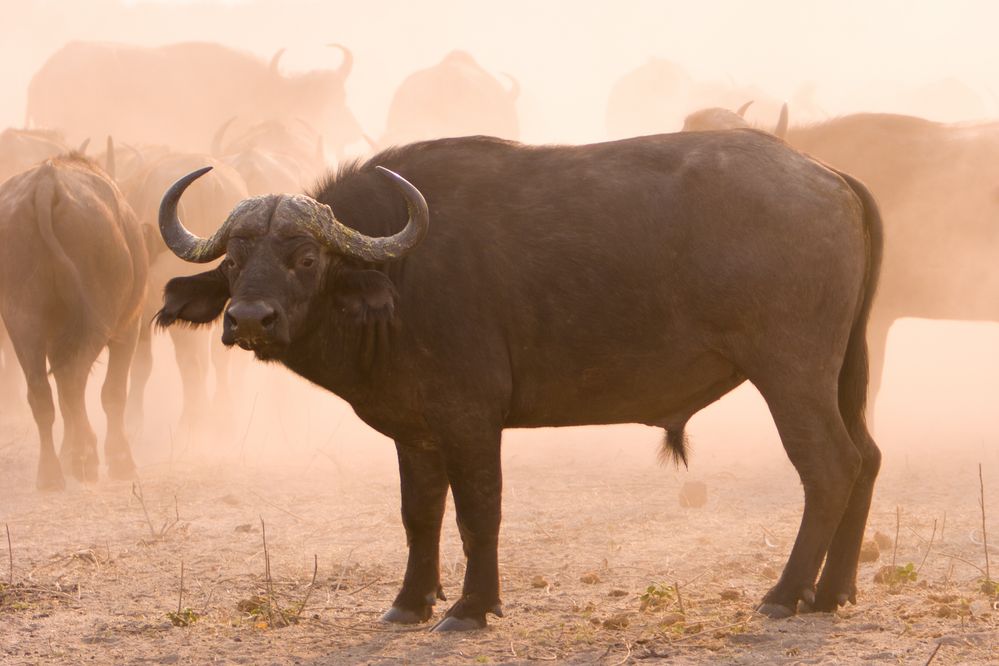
<point>424,490</point>
<point>141,369</point>
<point>473,470</point>
<point>191,351</point>
<point>117,453</point>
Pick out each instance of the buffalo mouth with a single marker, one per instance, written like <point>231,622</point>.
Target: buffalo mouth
<point>265,349</point>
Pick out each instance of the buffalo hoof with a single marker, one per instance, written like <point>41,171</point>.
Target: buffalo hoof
<point>827,603</point>
<point>452,623</point>
<point>397,615</point>
<point>775,611</point>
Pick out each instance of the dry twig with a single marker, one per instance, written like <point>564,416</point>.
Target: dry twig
<point>985,536</point>
<point>928,547</point>
<point>10,554</point>
<point>180,592</point>
<point>898,524</point>
<point>933,654</point>
<point>312,585</point>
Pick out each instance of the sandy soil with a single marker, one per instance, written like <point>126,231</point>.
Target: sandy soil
<point>95,578</point>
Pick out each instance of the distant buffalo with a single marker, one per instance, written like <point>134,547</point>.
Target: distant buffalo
<point>73,270</point>
<point>455,97</point>
<point>453,288</point>
<point>656,96</point>
<point>210,199</point>
<point>179,94</point>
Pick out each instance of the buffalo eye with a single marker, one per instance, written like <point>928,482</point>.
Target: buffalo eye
<point>306,262</point>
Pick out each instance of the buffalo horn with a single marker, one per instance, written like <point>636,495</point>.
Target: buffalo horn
<point>742,109</point>
<point>276,60</point>
<point>184,244</point>
<point>781,130</point>
<point>353,243</point>
<point>343,71</point>
<point>109,161</point>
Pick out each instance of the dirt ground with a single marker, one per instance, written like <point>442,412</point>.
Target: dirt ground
<point>594,546</point>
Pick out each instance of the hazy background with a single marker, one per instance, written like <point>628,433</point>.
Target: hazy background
<point>941,390</point>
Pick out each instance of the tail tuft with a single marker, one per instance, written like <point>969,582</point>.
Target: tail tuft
<point>674,446</point>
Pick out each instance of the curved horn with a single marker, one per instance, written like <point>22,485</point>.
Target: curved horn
<point>514,91</point>
<point>353,243</point>
<point>276,60</point>
<point>217,138</point>
<point>83,146</point>
<point>343,71</point>
<point>781,130</point>
<point>140,161</point>
<point>742,109</point>
<point>109,163</point>
<point>184,244</point>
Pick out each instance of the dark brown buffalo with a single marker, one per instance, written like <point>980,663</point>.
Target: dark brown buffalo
<point>455,97</point>
<point>72,281</point>
<point>179,94</point>
<point>628,282</point>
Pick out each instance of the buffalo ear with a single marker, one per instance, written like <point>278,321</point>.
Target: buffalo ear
<point>365,297</point>
<point>194,300</point>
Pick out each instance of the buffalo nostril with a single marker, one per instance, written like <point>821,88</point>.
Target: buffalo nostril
<point>230,322</point>
<point>269,320</point>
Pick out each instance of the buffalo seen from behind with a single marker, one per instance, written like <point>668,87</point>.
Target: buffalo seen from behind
<point>635,281</point>
<point>73,270</point>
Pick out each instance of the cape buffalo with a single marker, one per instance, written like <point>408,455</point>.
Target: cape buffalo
<point>635,281</point>
<point>455,97</point>
<point>72,281</point>
<point>655,96</point>
<point>216,195</point>
<point>143,94</point>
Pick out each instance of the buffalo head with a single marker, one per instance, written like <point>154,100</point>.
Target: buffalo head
<point>283,254</point>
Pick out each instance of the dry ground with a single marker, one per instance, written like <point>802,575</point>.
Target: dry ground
<point>94,580</point>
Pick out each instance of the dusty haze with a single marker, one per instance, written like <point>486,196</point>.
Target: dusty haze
<point>938,403</point>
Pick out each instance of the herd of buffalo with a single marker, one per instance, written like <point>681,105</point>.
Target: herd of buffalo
<point>456,282</point>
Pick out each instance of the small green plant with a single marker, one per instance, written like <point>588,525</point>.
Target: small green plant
<point>896,575</point>
<point>183,618</point>
<point>657,596</point>
<point>989,587</point>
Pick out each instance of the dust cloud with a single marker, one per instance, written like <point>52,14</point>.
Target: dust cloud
<point>933,62</point>
<point>935,414</point>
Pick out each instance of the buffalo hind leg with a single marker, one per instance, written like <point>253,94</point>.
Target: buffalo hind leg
<point>838,583</point>
<point>33,363</point>
<point>473,470</point>
<point>79,448</point>
<point>424,490</point>
<point>818,445</point>
<point>117,453</point>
